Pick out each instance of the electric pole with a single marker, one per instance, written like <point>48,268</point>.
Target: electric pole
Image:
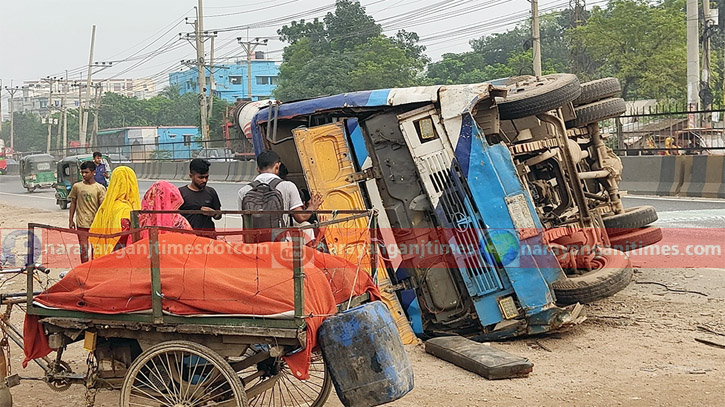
<point>65,118</point>
<point>51,82</point>
<point>536,37</point>
<point>96,108</point>
<point>249,48</point>
<point>211,77</point>
<point>199,37</point>
<point>12,91</point>
<point>84,124</point>
<point>64,83</point>
<point>708,27</point>
<point>693,65</point>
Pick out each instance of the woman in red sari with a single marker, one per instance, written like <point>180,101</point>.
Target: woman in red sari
<point>162,196</point>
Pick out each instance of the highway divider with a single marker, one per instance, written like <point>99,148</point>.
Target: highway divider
<point>683,175</point>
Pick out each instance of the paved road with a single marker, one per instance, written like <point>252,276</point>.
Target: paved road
<point>673,212</point>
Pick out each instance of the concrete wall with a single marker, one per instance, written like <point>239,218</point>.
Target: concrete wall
<point>683,175</point>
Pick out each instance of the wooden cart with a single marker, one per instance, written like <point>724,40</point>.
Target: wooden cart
<point>156,359</point>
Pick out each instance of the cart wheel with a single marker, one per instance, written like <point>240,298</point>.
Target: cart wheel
<point>181,373</point>
<point>60,384</point>
<point>287,390</point>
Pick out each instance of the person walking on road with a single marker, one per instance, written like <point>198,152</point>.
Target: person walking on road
<point>102,175</point>
<point>85,199</point>
<point>269,192</point>
<point>198,196</point>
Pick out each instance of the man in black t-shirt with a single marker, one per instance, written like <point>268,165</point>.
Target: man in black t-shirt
<point>198,196</point>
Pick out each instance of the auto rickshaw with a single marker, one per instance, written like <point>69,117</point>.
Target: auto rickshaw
<point>37,171</point>
<point>69,172</point>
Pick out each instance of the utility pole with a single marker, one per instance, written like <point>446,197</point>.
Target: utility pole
<point>211,78</point>
<point>64,83</point>
<point>249,48</point>
<point>693,65</point>
<point>1,106</point>
<point>536,37</point>
<point>201,71</point>
<point>96,108</point>
<point>708,28</point>
<point>12,91</point>
<point>65,118</point>
<point>199,37</point>
<point>83,133</point>
<point>51,83</point>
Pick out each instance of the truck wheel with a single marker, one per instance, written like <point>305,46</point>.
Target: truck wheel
<point>598,90</point>
<point>636,239</point>
<point>594,112</point>
<point>612,274</point>
<point>632,218</point>
<point>529,96</point>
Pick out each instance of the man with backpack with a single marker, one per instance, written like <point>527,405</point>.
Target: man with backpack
<point>268,192</point>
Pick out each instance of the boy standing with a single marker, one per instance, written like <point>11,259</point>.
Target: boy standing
<point>198,196</point>
<point>86,197</point>
<point>101,170</point>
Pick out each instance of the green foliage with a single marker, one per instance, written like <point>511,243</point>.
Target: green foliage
<point>30,133</point>
<point>167,109</point>
<point>642,44</point>
<point>344,52</point>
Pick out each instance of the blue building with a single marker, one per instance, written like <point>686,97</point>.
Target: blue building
<point>144,143</point>
<point>230,81</point>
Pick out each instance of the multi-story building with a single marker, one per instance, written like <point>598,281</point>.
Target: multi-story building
<point>230,80</point>
<point>36,95</point>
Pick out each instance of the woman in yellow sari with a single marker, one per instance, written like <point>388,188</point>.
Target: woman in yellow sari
<point>114,214</point>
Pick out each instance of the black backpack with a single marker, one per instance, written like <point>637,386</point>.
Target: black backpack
<point>264,197</point>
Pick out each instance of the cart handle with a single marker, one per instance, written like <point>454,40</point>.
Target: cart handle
<point>29,268</point>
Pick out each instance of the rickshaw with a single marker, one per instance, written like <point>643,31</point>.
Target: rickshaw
<point>68,173</point>
<point>158,357</point>
<point>37,171</point>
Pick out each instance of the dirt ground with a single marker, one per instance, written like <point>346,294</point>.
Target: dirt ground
<point>636,348</point>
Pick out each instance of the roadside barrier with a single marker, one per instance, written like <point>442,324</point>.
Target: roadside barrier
<point>219,171</point>
<point>13,169</point>
<point>240,171</point>
<point>167,170</point>
<point>684,175</point>
<point>703,176</point>
<point>182,171</point>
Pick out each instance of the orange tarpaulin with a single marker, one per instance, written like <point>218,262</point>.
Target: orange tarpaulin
<point>210,277</point>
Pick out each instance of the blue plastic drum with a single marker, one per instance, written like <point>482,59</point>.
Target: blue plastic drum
<point>365,356</point>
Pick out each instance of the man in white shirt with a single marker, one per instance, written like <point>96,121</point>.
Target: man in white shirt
<point>268,164</point>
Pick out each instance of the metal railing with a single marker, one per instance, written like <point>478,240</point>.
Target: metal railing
<point>660,131</point>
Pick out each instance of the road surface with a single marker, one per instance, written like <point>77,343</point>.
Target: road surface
<point>672,211</point>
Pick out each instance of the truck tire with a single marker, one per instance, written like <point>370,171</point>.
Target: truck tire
<point>594,112</point>
<point>632,218</point>
<point>530,96</point>
<point>636,239</point>
<point>613,274</point>
<point>598,90</point>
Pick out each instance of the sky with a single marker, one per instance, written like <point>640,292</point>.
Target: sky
<point>42,38</point>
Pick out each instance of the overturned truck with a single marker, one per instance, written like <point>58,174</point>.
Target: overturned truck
<point>480,235</point>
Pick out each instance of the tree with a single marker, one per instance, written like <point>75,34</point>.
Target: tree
<point>30,133</point>
<point>506,54</point>
<point>641,44</point>
<point>344,52</point>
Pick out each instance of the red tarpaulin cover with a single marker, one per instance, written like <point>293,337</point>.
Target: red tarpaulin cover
<point>204,276</point>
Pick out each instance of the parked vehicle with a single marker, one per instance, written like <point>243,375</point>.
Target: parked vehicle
<point>409,153</point>
<point>37,171</point>
<point>68,173</point>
